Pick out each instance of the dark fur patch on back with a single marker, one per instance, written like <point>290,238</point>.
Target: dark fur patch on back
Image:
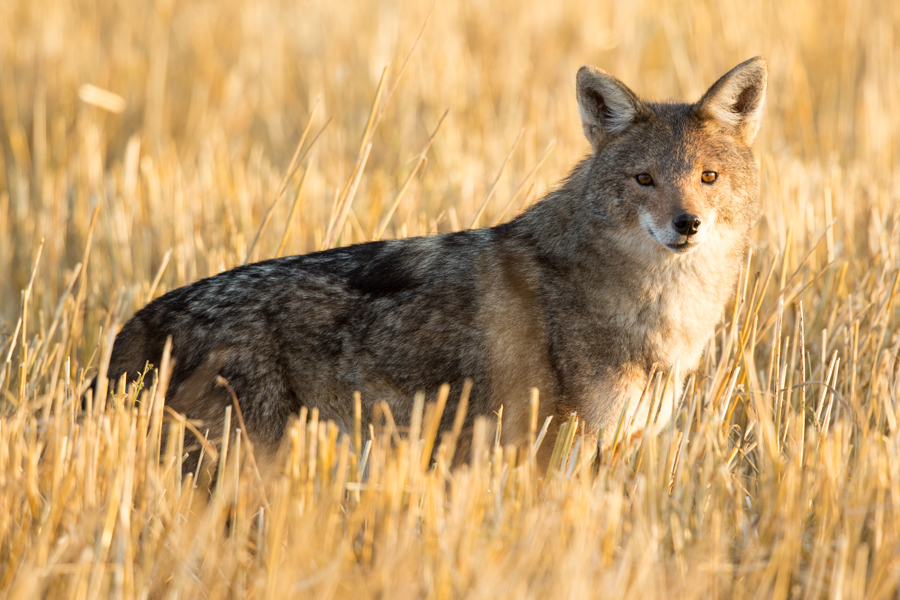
<point>457,239</point>
<point>382,271</point>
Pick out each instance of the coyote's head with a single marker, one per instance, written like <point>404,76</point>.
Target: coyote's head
<point>669,175</point>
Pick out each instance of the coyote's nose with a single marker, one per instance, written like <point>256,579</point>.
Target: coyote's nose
<point>686,224</point>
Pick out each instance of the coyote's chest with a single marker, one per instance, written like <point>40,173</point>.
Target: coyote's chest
<point>662,316</point>
<point>674,308</point>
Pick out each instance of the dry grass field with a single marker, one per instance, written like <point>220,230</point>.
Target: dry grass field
<point>145,145</point>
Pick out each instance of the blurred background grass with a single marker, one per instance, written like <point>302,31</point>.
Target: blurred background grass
<point>176,122</point>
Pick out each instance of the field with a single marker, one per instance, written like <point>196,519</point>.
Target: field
<point>145,145</point>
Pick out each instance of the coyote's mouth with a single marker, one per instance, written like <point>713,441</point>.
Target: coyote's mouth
<point>668,238</point>
<point>682,248</point>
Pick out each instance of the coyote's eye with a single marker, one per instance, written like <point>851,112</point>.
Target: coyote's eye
<point>644,179</point>
<point>709,176</point>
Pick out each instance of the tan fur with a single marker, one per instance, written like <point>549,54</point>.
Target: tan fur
<point>516,344</point>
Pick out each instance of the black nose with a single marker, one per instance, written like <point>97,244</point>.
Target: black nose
<point>686,224</point>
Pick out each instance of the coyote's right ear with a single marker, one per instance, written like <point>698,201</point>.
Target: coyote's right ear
<point>736,100</point>
<point>606,105</point>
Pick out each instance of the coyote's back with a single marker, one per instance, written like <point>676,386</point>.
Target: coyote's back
<point>626,267</point>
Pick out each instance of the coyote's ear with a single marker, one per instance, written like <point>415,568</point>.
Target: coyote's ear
<point>606,105</point>
<point>736,100</point>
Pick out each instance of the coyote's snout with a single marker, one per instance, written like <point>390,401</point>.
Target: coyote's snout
<point>625,268</point>
<point>680,235</point>
<point>680,212</point>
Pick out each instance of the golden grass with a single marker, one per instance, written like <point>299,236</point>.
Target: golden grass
<point>141,146</point>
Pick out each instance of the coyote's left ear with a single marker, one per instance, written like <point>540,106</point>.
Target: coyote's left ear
<point>736,100</point>
<point>606,105</point>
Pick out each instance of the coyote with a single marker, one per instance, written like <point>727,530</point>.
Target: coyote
<point>626,267</point>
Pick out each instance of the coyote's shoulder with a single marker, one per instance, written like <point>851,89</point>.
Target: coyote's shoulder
<point>626,267</point>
